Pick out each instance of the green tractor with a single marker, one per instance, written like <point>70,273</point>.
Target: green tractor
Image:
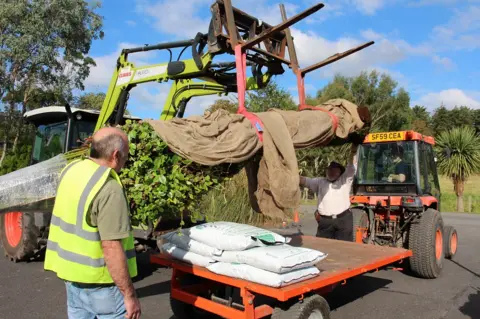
<point>23,231</point>
<point>253,42</point>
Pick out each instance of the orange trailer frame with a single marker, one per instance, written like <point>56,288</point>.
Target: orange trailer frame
<point>344,261</point>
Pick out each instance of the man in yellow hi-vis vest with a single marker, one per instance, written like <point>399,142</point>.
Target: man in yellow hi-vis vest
<point>90,243</point>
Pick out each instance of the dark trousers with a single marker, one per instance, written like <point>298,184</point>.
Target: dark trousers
<point>340,228</point>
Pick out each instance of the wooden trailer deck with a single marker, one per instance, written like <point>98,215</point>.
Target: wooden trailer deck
<point>345,260</point>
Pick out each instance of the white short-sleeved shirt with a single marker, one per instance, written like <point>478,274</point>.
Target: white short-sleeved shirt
<point>333,198</point>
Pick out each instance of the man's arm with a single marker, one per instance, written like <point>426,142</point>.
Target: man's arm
<point>116,261</point>
<point>310,183</point>
<point>113,222</point>
<point>400,174</point>
<point>351,163</point>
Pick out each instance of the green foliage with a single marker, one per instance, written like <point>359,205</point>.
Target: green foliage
<point>229,201</point>
<point>421,120</point>
<point>92,101</point>
<point>444,119</point>
<point>458,157</point>
<point>160,183</point>
<point>16,160</point>
<point>272,96</point>
<point>223,104</point>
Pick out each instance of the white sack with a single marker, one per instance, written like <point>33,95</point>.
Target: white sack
<point>185,242</point>
<point>234,236</point>
<point>263,277</point>
<point>186,256</point>
<point>278,259</point>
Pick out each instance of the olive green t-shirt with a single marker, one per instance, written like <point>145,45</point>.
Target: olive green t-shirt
<point>109,212</point>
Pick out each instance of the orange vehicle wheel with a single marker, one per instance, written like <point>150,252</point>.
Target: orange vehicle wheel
<point>450,242</point>
<point>18,235</point>
<point>425,239</point>
<point>360,225</point>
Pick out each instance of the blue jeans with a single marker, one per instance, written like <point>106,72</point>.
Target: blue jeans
<point>95,303</point>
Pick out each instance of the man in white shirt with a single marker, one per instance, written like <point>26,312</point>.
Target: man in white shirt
<point>333,213</point>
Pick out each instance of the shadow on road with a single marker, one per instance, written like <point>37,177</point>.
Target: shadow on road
<point>354,289</point>
<point>465,268</point>
<point>472,307</point>
<point>154,289</point>
<point>144,266</point>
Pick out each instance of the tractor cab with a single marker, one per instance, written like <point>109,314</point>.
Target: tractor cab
<point>397,164</point>
<point>60,129</point>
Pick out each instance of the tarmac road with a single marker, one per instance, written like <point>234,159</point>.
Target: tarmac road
<point>26,291</point>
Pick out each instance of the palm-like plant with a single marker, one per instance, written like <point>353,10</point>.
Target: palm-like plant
<point>458,157</point>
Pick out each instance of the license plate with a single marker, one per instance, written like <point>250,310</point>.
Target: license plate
<point>386,137</point>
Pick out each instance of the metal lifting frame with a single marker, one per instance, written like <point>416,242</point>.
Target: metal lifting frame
<point>275,40</point>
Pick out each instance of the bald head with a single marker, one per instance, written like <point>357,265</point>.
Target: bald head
<point>110,147</point>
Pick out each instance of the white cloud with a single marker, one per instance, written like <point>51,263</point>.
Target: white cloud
<point>312,48</point>
<point>461,32</point>
<point>177,18</point>
<point>369,7</point>
<point>419,3</point>
<point>131,23</point>
<point>449,98</point>
<point>445,62</point>
<point>101,74</point>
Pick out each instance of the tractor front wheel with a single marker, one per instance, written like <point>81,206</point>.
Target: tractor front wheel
<point>18,235</point>
<point>426,242</point>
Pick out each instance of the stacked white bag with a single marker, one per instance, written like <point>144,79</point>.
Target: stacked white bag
<point>244,252</point>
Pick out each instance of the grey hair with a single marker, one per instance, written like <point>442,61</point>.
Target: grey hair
<point>104,147</point>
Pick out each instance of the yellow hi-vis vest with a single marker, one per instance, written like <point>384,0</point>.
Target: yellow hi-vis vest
<point>74,248</point>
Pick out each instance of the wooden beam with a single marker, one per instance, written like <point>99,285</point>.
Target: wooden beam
<point>335,58</point>
<point>282,26</point>
<point>291,46</point>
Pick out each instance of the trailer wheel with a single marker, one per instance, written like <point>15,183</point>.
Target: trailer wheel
<point>450,241</point>
<point>183,310</point>
<point>426,241</point>
<point>313,307</point>
<point>360,219</point>
<point>18,235</point>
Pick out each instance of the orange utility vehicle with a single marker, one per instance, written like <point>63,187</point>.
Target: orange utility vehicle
<point>198,293</point>
<point>396,198</point>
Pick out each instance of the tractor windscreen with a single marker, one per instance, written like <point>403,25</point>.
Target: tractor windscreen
<point>386,163</point>
<point>49,141</point>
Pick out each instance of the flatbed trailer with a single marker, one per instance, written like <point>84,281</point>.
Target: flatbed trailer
<point>198,293</point>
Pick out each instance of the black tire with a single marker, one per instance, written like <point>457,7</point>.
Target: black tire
<point>450,241</point>
<point>183,310</point>
<point>303,310</point>
<point>427,260</point>
<point>360,219</point>
<point>27,245</point>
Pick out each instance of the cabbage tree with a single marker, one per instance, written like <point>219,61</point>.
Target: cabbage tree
<point>458,152</point>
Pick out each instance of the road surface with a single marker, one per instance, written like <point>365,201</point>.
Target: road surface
<point>26,291</point>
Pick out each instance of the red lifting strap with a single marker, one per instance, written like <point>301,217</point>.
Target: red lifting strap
<point>241,65</point>
<point>332,116</point>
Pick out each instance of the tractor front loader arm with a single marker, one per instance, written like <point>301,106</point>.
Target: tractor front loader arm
<point>126,76</point>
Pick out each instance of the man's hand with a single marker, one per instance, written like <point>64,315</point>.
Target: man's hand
<point>317,216</point>
<point>132,304</point>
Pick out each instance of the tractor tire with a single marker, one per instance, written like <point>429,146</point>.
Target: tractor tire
<point>19,235</point>
<point>450,241</point>
<point>314,307</point>
<point>360,219</point>
<point>425,239</point>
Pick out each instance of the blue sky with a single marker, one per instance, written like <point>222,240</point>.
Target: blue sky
<point>430,47</point>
